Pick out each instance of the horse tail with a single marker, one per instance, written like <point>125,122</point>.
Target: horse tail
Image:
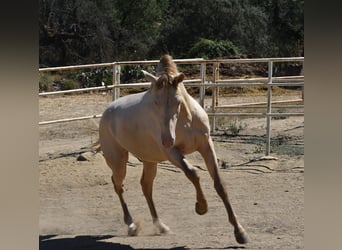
<point>96,146</point>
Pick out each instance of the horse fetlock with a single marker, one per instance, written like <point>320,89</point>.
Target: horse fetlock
<point>133,229</point>
<point>201,207</point>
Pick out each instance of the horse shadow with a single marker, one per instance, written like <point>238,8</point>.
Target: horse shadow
<point>47,242</point>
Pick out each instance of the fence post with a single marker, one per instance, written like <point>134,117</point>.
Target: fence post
<point>302,73</point>
<point>116,81</point>
<point>202,88</point>
<point>214,96</point>
<point>269,109</point>
<point>217,90</point>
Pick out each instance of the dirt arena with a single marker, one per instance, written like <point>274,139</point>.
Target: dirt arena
<point>80,210</point>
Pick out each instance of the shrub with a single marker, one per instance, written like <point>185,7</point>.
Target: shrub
<point>45,82</point>
<point>210,49</point>
<point>67,84</point>
<point>94,77</point>
<point>133,73</point>
<point>235,127</point>
<point>43,86</point>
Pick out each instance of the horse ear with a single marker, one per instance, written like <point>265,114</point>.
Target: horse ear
<point>179,78</point>
<point>150,77</point>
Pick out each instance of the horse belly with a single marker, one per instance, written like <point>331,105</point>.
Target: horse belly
<point>142,146</point>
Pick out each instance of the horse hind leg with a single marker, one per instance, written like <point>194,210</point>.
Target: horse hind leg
<point>133,228</point>
<point>147,178</point>
<point>116,159</point>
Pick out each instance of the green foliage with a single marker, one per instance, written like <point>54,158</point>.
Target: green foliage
<point>133,73</point>
<point>45,82</point>
<point>210,49</point>
<point>75,32</point>
<point>85,31</point>
<point>50,82</point>
<point>258,28</point>
<point>67,84</point>
<point>94,77</point>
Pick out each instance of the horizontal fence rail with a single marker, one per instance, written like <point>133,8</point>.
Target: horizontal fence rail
<point>190,83</point>
<point>99,65</point>
<point>202,83</point>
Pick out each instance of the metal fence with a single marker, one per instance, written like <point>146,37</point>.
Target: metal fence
<point>267,82</point>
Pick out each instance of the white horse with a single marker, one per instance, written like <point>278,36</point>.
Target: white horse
<point>162,123</point>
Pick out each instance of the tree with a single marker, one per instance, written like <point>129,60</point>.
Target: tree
<point>93,31</point>
<point>139,22</point>
<point>88,31</point>
<point>259,28</point>
<point>75,31</point>
<point>286,27</point>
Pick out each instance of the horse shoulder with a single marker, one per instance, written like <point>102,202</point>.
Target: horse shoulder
<point>200,117</point>
<point>125,112</point>
<point>192,134</point>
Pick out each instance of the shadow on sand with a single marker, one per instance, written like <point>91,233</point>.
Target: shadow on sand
<point>48,242</point>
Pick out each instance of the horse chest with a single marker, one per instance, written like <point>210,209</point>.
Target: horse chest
<point>187,140</point>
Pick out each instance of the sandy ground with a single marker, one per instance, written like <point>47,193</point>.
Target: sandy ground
<point>80,210</point>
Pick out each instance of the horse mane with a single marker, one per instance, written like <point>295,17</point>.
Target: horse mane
<point>167,65</point>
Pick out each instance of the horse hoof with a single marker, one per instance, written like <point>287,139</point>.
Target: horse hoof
<point>133,229</point>
<point>162,228</point>
<point>201,208</point>
<point>241,237</point>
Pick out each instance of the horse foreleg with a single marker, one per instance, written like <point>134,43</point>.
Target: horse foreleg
<point>209,155</point>
<point>147,178</point>
<point>176,158</point>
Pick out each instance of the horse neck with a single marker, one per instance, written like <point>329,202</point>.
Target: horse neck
<point>182,90</point>
<point>185,94</point>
